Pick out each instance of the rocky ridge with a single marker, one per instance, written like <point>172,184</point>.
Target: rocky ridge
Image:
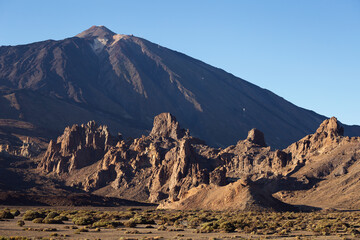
<point>160,166</point>
<point>171,167</point>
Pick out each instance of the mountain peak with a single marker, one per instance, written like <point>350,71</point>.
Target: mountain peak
<point>97,31</point>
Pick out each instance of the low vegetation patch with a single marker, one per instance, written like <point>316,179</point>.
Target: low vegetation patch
<point>263,224</point>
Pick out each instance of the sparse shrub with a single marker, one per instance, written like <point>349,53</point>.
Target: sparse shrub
<point>130,224</point>
<point>208,227</point>
<point>79,230</point>
<point>20,223</point>
<point>227,227</point>
<point>107,224</point>
<point>142,220</point>
<point>61,218</point>
<point>38,220</point>
<point>193,222</point>
<point>132,232</point>
<point>283,232</point>
<point>6,214</point>
<point>50,229</point>
<point>134,209</point>
<point>52,221</point>
<point>52,215</point>
<point>162,228</point>
<point>83,220</point>
<point>15,212</point>
<point>31,215</point>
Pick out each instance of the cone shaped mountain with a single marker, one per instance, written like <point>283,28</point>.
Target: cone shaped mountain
<point>124,81</point>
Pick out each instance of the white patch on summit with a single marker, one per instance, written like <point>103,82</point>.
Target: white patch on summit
<point>99,44</point>
<point>117,37</point>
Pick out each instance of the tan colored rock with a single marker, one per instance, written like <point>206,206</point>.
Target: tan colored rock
<point>165,125</point>
<point>77,147</point>
<point>257,137</point>
<point>181,172</point>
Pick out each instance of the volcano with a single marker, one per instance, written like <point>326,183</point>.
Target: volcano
<point>123,81</point>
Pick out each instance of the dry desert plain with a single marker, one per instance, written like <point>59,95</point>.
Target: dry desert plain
<point>149,223</point>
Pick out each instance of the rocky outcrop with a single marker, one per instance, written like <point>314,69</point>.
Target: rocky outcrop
<point>171,167</point>
<point>326,137</point>
<point>257,137</point>
<point>314,172</point>
<point>29,148</point>
<point>330,165</point>
<point>163,165</point>
<point>165,125</point>
<point>77,147</point>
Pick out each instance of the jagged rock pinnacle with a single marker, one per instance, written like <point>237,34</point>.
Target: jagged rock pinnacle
<point>166,125</point>
<point>332,127</point>
<point>257,137</point>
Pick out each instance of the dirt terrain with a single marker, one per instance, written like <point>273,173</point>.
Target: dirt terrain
<point>179,224</point>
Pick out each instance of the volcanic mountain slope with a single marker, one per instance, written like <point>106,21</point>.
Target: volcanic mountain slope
<point>179,171</point>
<point>124,81</point>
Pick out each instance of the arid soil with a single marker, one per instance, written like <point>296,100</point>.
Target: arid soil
<point>180,224</point>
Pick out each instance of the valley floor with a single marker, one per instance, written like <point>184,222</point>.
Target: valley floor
<point>148,223</point>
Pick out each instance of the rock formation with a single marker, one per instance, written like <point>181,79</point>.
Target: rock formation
<point>160,166</point>
<point>28,149</point>
<point>171,167</point>
<point>315,171</point>
<point>77,147</point>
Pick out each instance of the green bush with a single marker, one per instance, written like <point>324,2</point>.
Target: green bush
<point>130,224</point>
<point>52,215</point>
<point>38,220</point>
<point>48,220</point>
<point>81,230</point>
<point>162,228</point>
<point>208,227</point>
<point>227,227</point>
<point>107,224</point>
<point>83,220</point>
<point>142,220</point>
<point>20,223</point>
<point>31,215</point>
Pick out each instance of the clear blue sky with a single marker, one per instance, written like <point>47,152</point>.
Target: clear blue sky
<point>307,51</point>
